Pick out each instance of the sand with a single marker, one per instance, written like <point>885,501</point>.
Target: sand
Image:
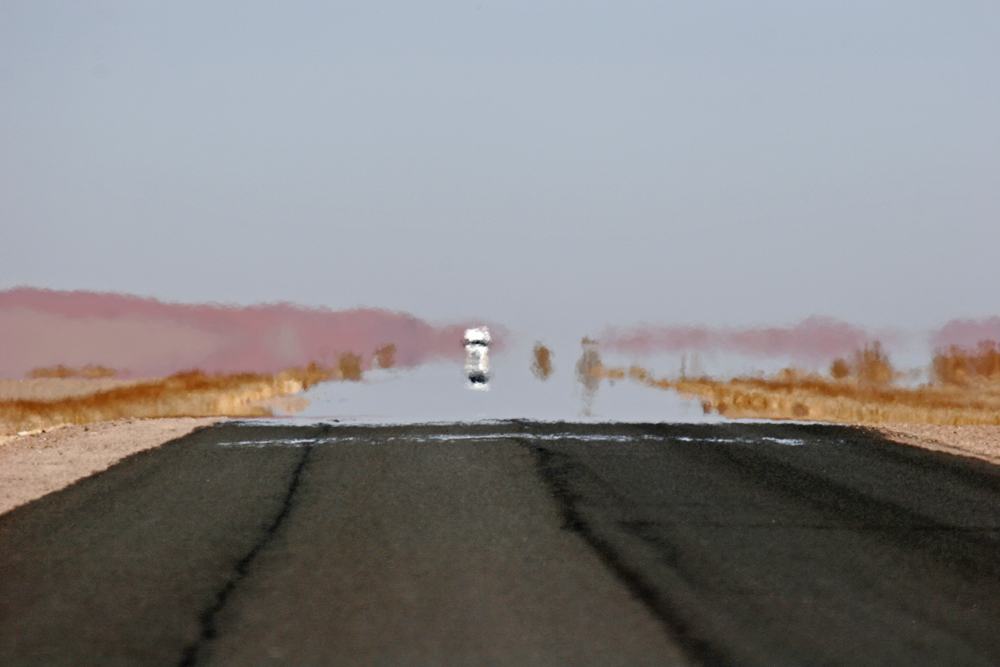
<point>37,464</point>
<point>980,442</point>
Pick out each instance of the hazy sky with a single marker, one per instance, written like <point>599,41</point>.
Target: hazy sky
<point>547,165</point>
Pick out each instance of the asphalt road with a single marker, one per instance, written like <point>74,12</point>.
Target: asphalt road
<point>513,543</point>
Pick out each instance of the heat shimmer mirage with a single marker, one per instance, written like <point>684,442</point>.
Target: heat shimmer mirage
<point>144,337</point>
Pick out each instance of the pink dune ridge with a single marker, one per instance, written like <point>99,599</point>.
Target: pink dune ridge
<point>814,339</point>
<point>145,337</point>
<point>966,333</point>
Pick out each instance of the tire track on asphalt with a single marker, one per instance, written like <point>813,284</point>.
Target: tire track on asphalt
<point>858,485</point>
<point>557,470</point>
<point>847,505</point>
<point>208,616</point>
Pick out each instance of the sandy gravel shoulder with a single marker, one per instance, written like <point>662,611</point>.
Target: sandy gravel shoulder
<point>36,464</point>
<point>981,442</point>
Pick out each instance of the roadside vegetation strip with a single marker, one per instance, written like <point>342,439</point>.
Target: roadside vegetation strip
<point>964,390</point>
<point>187,394</point>
<point>90,371</point>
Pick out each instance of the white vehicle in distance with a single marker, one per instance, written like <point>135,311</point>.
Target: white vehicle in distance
<point>477,357</point>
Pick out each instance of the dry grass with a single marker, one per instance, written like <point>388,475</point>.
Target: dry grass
<point>961,366</point>
<point>188,394</point>
<point>50,389</point>
<point>870,365</point>
<point>60,371</point>
<point>860,391</point>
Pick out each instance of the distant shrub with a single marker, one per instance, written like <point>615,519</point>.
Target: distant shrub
<point>839,369</point>
<point>542,368</point>
<point>871,364</point>
<point>588,366</point>
<point>958,365</point>
<point>350,366</point>
<point>385,356</point>
<point>589,370</point>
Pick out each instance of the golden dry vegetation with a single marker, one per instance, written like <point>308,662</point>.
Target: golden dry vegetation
<point>187,394</point>
<point>349,366</point>
<point>90,372</point>
<point>965,390</point>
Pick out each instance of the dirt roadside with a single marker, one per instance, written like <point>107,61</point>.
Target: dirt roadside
<point>37,464</point>
<point>980,442</point>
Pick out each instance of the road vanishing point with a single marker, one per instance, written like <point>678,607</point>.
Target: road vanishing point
<point>511,543</point>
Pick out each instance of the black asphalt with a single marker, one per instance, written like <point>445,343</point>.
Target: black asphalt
<point>511,543</point>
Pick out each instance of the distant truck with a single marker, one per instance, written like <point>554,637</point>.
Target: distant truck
<point>477,357</point>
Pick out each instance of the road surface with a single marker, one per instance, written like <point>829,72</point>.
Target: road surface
<point>514,543</point>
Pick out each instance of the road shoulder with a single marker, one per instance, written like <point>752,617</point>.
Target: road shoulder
<point>980,442</point>
<point>36,464</point>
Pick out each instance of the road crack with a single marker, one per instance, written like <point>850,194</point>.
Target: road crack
<point>564,478</point>
<point>207,618</point>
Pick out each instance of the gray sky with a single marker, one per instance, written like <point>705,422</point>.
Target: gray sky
<point>548,165</point>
